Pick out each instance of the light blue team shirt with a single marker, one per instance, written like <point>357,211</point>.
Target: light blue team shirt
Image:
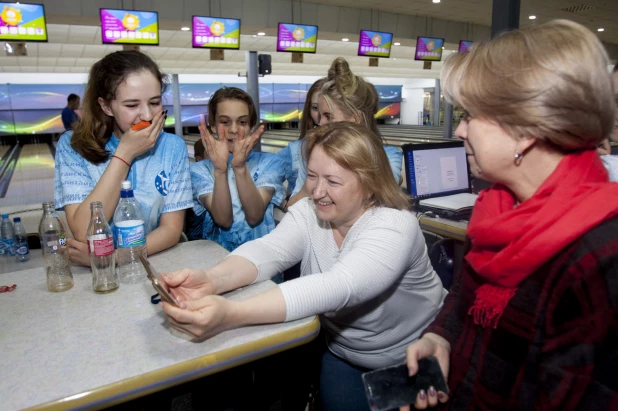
<point>292,156</point>
<point>160,177</point>
<point>267,170</point>
<point>395,158</point>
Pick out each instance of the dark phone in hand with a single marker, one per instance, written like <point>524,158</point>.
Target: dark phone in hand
<point>391,387</point>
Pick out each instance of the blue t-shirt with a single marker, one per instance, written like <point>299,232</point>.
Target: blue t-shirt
<point>268,170</point>
<point>68,117</point>
<point>292,156</point>
<point>395,158</point>
<point>160,177</point>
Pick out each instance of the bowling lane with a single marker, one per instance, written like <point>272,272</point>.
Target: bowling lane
<point>33,178</point>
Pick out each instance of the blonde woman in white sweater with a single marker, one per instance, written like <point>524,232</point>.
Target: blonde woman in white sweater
<point>364,267</point>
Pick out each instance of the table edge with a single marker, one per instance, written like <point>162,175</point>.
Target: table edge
<point>157,380</point>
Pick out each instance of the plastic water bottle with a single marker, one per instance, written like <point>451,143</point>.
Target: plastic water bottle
<point>130,236</point>
<point>7,234</point>
<point>55,253</point>
<point>101,251</point>
<point>22,252</point>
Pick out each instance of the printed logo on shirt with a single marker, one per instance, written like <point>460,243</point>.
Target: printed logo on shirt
<point>161,182</point>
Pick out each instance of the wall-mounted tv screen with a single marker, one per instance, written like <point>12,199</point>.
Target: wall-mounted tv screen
<point>22,22</point>
<point>464,45</point>
<point>375,43</point>
<point>429,49</point>
<point>129,27</point>
<point>214,32</point>
<point>299,38</point>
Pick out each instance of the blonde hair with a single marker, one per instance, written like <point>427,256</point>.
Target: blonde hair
<point>549,82</point>
<point>356,148</point>
<point>354,96</point>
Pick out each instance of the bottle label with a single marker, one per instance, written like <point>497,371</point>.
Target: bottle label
<point>101,247</point>
<point>21,248</point>
<point>6,247</point>
<point>132,236</point>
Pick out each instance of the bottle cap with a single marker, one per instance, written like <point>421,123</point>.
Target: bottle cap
<point>126,185</point>
<point>16,220</point>
<point>5,216</point>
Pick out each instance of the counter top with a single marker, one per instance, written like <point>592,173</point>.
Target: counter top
<point>79,348</point>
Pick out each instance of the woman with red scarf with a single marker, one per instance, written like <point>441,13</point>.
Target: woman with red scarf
<point>531,322</point>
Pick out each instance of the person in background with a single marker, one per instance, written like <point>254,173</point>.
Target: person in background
<point>347,97</point>
<point>531,321</point>
<point>69,116</point>
<point>611,161</point>
<point>237,186</point>
<point>365,268</point>
<point>199,151</point>
<point>124,88</point>
<point>292,153</point>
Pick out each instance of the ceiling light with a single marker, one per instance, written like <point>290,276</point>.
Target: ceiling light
<point>436,1</point>
<point>601,29</point>
<point>397,43</point>
<point>532,17</point>
<point>185,28</point>
<point>345,39</point>
<point>261,33</point>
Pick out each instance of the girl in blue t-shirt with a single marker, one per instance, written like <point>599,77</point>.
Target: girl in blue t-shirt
<point>237,186</point>
<point>124,88</point>
<point>345,96</point>
<point>292,153</point>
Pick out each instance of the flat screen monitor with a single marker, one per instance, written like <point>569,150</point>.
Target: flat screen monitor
<point>464,45</point>
<point>429,49</point>
<point>215,33</point>
<point>436,169</point>
<point>299,38</point>
<point>22,22</point>
<point>375,43</point>
<point>129,27</point>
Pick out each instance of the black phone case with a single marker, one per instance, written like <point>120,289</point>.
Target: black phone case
<point>391,387</point>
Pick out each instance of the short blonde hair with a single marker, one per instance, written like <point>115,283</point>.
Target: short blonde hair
<point>549,82</point>
<point>356,148</point>
<point>355,96</point>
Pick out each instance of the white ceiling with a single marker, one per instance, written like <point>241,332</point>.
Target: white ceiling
<point>73,49</point>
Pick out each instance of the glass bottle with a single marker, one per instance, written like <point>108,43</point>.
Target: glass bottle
<point>55,253</point>
<point>101,251</point>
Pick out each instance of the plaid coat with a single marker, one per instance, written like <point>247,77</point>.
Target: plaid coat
<point>556,344</point>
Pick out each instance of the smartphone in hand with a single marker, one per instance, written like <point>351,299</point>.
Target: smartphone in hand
<point>391,387</point>
<point>153,276</point>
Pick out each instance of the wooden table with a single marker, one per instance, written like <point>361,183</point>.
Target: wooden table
<point>81,349</point>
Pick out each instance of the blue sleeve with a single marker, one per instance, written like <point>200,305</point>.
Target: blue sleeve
<point>395,158</point>
<point>179,195</point>
<point>72,180</point>
<point>286,156</point>
<point>301,178</point>
<point>273,175</point>
<point>202,180</point>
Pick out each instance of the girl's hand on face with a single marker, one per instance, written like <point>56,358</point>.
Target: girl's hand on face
<point>134,143</point>
<point>217,149</point>
<point>243,146</point>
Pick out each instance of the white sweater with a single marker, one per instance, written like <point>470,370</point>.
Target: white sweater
<point>376,293</point>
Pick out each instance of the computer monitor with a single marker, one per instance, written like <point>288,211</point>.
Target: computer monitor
<point>436,169</point>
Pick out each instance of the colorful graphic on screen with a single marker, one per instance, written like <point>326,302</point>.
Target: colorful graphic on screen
<point>22,22</point>
<point>464,45</point>
<point>299,38</point>
<point>42,96</point>
<point>129,27</point>
<point>429,49</point>
<point>214,32</point>
<point>388,110</point>
<point>375,43</point>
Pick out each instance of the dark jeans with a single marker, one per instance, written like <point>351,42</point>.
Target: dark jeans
<point>341,386</point>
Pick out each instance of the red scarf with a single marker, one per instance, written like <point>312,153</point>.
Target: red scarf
<point>509,244</point>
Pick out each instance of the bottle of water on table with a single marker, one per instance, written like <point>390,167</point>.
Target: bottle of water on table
<point>7,237</point>
<point>130,236</point>
<point>101,251</point>
<point>22,252</point>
